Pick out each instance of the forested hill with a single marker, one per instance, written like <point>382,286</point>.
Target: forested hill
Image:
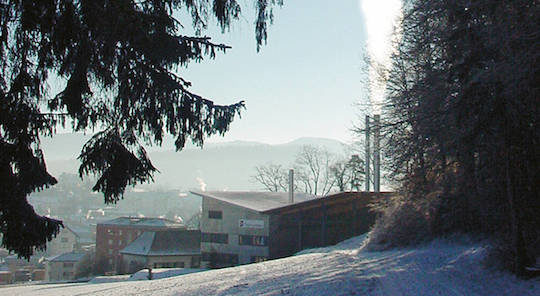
<point>227,165</point>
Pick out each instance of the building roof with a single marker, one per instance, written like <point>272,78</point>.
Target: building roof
<point>68,228</point>
<point>165,243</point>
<point>366,197</point>
<point>143,222</point>
<point>67,257</point>
<point>255,200</point>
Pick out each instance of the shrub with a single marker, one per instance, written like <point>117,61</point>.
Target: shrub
<point>401,223</point>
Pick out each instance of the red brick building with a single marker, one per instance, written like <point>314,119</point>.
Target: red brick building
<point>114,235</point>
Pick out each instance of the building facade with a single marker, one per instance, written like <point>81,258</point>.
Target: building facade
<point>114,235</point>
<point>65,242</point>
<point>63,267</point>
<point>164,249</point>
<point>232,235</point>
<point>247,227</point>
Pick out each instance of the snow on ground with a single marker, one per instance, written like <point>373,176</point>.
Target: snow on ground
<point>141,275</point>
<point>441,268</point>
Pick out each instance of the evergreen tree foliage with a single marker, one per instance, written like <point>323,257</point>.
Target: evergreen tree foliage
<point>462,118</point>
<point>120,61</point>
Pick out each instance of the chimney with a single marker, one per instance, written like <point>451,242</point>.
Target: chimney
<point>368,153</point>
<point>377,156</point>
<point>291,186</point>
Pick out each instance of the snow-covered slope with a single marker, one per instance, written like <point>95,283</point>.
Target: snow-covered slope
<point>440,268</point>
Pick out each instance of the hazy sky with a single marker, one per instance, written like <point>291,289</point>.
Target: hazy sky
<point>303,83</point>
<point>309,77</point>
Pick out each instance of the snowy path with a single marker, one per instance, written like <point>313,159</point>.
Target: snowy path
<point>441,268</point>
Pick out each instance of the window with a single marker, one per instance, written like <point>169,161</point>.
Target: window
<point>119,232</point>
<point>109,231</point>
<point>215,215</point>
<point>169,265</point>
<point>256,259</point>
<point>110,242</point>
<point>110,251</point>
<point>68,264</point>
<point>119,242</point>
<point>64,240</point>
<point>253,240</point>
<point>220,238</point>
<point>110,261</point>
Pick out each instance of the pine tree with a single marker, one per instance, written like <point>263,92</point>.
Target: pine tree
<point>119,61</point>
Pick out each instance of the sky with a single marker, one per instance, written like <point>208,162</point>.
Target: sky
<point>304,83</point>
<point>309,78</point>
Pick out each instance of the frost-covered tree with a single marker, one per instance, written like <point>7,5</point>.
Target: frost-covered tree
<point>118,64</point>
<point>462,118</point>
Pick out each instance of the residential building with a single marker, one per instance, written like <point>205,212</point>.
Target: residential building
<point>20,268</point>
<point>246,227</point>
<point>114,235</point>
<point>164,249</point>
<point>65,242</point>
<point>6,277</point>
<point>63,267</point>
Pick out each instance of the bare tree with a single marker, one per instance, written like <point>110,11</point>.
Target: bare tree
<point>313,169</point>
<point>348,174</point>
<point>272,176</point>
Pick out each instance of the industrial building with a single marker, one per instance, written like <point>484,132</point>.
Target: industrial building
<point>246,227</point>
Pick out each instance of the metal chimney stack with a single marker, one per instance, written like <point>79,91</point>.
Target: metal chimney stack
<point>377,154</point>
<point>291,186</point>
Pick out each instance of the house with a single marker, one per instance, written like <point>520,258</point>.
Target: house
<point>164,249</point>
<point>246,227</point>
<point>114,235</point>
<point>86,236</point>
<point>65,242</point>
<point>6,276</point>
<point>22,270</point>
<point>63,267</point>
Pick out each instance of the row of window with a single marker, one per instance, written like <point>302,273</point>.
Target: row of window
<point>253,240</point>
<point>220,238</point>
<point>169,265</point>
<point>215,215</point>
<point>256,259</point>
<point>227,259</point>
<point>245,240</point>
<point>119,232</point>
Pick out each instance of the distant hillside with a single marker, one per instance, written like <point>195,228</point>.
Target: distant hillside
<point>228,165</point>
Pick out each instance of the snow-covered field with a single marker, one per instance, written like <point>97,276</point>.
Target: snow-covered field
<point>440,268</point>
<point>142,275</point>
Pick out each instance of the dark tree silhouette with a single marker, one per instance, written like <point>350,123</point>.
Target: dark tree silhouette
<point>119,62</point>
<point>462,118</point>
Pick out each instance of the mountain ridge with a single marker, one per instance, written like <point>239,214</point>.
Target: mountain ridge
<point>220,166</point>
